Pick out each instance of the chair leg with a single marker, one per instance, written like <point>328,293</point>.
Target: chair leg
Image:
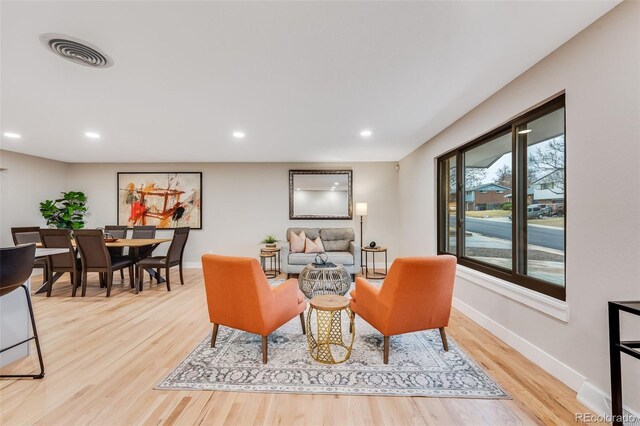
<point>140,283</point>
<point>131,281</point>
<point>122,274</point>
<point>386,349</point>
<point>50,286</point>
<point>214,335</point>
<point>304,330</point>
<point>443,336</point>
<point>352,322</point>
<point>35,337</point>
<point>109,278</point>
<point>265,347</point>
<point>168,278</point>
<point>74,283</point>
<point>84,283</point>
<point>181,277</point>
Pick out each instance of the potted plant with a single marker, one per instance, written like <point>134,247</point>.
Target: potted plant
<point>269,241</point>
<point>67,212</point>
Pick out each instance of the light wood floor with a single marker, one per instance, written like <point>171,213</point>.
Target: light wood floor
<point>104,355</point>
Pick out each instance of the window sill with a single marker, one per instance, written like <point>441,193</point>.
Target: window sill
<point>538,301</point>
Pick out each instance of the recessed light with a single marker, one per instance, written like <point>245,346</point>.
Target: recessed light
<point>523,132</point>
<point>297,189</point>
<point>12,135</point>
<point>238,135</point>
<point>92,135</point>
<point>366,133</point>
<point>336,183</point>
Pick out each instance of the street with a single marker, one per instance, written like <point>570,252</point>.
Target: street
<point>537,235</point>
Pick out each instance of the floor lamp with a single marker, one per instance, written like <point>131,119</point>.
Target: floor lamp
<point>361,210</point>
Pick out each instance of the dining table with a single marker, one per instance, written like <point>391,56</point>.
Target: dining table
<point>134,244</point>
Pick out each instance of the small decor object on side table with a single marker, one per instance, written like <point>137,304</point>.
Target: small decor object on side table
<point>329,346</point>
<point>373,250</point>
<point>269,241</point>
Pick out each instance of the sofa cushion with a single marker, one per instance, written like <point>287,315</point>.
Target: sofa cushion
<point>311,233</point>
<point>343,257</point>
<point>313,246</point>
<point>337,239</point>
<point>297,241</point>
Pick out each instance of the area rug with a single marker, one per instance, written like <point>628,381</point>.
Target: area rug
<point>418,366</point>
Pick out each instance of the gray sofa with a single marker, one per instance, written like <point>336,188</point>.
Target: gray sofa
<point>339,245</point>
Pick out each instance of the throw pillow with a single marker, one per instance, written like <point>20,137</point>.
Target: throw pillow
<point>297,242</point>
<point>315,246</point>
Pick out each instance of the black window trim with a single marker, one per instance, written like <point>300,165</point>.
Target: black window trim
<point>518,197</point>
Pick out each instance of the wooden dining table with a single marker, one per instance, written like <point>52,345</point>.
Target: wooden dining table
<point>134,244</point>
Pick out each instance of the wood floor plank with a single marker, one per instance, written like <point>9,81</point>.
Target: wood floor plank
<point>103,356</point>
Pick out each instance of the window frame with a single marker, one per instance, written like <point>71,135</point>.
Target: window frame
<point>516,274</point>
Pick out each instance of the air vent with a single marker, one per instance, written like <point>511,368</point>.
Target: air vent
<point>76,50</point>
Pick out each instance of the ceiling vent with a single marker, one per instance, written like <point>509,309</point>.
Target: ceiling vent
<point>76,50</point>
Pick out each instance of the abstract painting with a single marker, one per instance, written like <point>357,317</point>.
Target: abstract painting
<point>166,200</point>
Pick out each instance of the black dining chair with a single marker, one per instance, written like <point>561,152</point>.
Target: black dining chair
<point>119,232</point>
<point>95,258</point>
<point>16,265</point>
<point>67,262</point>
<point>173,258</point>
<point>28,235</point>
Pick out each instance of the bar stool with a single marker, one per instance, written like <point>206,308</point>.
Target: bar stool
<point>16,264</point>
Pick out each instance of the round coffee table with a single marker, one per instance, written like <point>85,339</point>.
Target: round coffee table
<point>329,346</point>
<point>317,280</point>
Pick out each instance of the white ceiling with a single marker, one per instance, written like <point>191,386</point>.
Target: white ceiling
<point>301,79</point>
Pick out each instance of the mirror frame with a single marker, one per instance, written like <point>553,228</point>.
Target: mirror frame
<point>293,173</point>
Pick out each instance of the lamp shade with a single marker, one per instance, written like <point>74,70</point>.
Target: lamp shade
<point>361,209</point>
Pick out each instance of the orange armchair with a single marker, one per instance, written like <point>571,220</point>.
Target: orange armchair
<point>416,295</point>
<point>239,296</point>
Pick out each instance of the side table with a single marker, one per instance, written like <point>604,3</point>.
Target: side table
<point>616,348</point>
<point>276,251</point>
<point>272,257</point>
<point>316,280</point>
<point>373,251</point>
<point>329,347</point>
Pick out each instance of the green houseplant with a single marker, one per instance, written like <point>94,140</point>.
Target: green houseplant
<point>67,212</point>
<point>269,240</point>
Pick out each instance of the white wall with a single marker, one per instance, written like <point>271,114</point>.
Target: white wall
<point>600,71</point>
<point>27,181</point>
<point>242,202</point>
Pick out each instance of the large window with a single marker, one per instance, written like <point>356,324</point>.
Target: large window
<point>502,211</point>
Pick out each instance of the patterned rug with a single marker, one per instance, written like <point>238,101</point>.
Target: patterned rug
<point>418,366</point>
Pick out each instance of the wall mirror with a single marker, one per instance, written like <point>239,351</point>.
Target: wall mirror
<point>320,194</point>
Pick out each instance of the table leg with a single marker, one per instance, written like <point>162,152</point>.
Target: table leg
<point>616,365</point>
<point>45,285</point>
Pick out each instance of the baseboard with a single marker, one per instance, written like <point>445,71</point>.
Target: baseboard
<point>600,403</point>
<point>553,366</point>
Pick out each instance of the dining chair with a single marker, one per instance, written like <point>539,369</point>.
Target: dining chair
<point>239,296</point>
<point>173,258</point>
<point>143,232</point>
<point>27,235</point>
<point>67,262</point>
<point>16,265</point>
<point>95,258</point>
<point>416,295</point>
<point>120,232</point>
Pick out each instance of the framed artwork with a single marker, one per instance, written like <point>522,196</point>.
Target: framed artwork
<point>166,200</point>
